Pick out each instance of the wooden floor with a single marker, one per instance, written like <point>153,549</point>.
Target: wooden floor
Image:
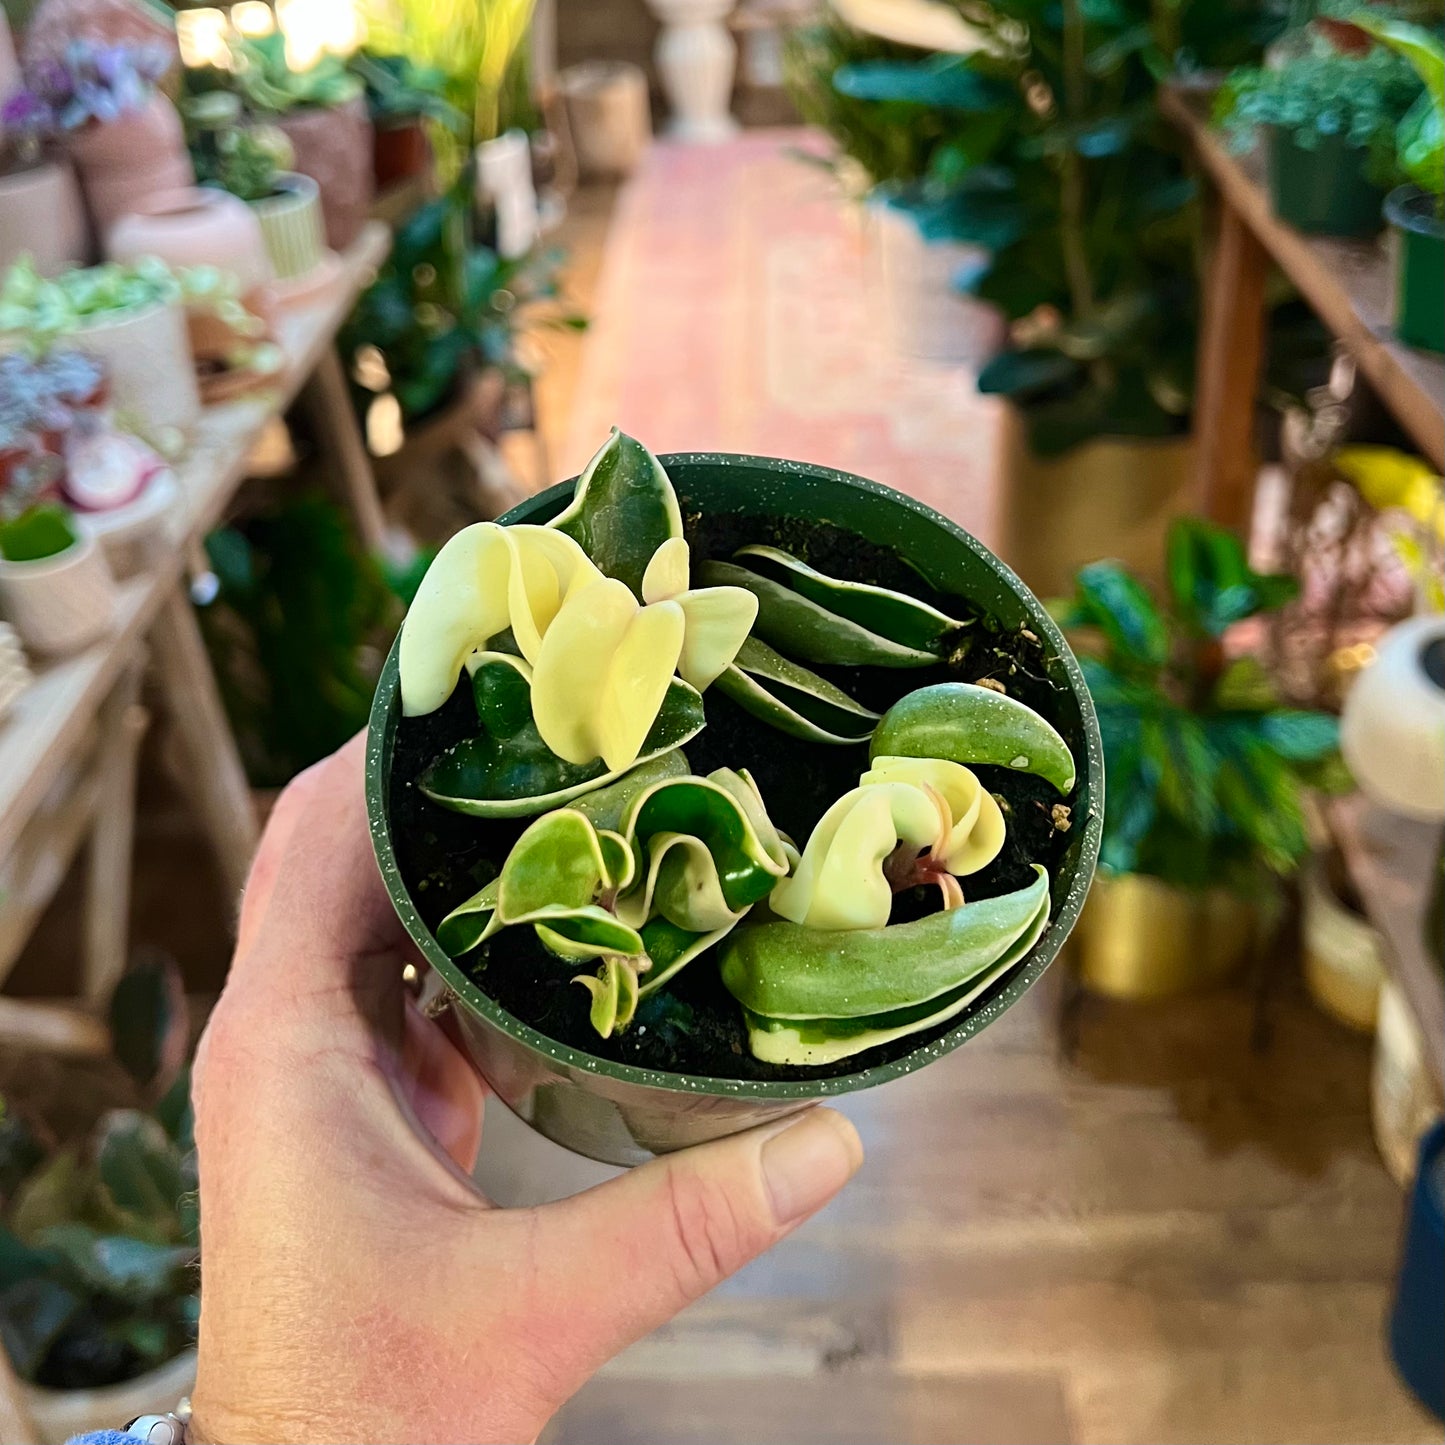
<point>1169,1238</point>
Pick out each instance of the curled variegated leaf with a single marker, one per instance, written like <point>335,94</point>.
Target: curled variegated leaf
<point>794,699</point>
<point>614,990</point>
<point>811,997</point>
<point>977,833</point>
<point>486,579</point>
<point>894,615</point>
<point>802,628</point>
<point>508,771</point>
<point>718,618</point>
<point>965,723</point>
<point>840,881</point>
<point>622,511</point>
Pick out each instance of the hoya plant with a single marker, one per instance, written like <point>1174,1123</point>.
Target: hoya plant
<point>584,668</point>
<point>1207,769</point>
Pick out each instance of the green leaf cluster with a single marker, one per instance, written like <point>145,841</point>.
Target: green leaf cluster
<point>1420,135</point>
<point>1206,768</point>
<point>98,1239</point>
<point>444,306</point>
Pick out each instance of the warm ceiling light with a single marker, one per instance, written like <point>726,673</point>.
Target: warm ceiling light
<point>203,37</point>
<point>253,19</point>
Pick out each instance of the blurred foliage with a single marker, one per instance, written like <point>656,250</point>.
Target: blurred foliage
<point>1205,769</point>
<point>1047,148</point>
<point>297,632</point>
<point>98,1239</point>
<point>397,88</point>
<point>445,306</point>
<point>1420,136</point>
<point>1323,94</point>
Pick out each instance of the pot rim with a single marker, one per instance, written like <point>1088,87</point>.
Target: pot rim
<point>1399,214</point>
<point>1017,983</point>
<point>75,555</point>
<point>293,186</point>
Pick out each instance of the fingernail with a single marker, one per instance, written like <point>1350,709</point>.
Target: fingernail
<point>809,1162</point>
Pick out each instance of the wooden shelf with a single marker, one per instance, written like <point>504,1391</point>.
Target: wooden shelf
<point>1392,861</point>
<point>1347,283</point>
<point>51,716</point>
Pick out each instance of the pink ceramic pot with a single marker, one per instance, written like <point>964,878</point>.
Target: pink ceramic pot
<point>333,147</point>
<point>197,226</point>
<point>125,162</point>
<point>41,213</point>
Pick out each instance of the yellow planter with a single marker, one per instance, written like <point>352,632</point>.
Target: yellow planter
<point>1110,497</point>
<point>1140,938</point>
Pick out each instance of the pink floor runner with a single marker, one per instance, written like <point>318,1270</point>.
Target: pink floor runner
<point>734,314</point>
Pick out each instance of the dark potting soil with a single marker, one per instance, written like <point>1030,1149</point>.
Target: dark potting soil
<point>694,1026</point>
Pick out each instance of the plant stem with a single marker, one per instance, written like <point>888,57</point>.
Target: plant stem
<point>1072,197</point>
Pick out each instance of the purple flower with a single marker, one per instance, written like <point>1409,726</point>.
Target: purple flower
<point>91,82</point>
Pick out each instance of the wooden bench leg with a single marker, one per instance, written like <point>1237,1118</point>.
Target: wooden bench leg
<point>216,779</point>
<point>1230,349</point>
<point>107,886</point>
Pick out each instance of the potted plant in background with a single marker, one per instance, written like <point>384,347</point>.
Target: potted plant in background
<point>323,114</point>
<point>1329,118</point>
<point>1416,210</point>
<point>434,340</point>
<point>767,907</point>
<point>40,208</point>
<point>401,98</point>
<point>251,161</point>
<point>1087,212</point>
<point>1206,771</point>
<point>122,133</point>
<point>98,1221</point>
<point>908,131</point>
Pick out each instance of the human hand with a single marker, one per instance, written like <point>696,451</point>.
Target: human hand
<point>357,1285</point>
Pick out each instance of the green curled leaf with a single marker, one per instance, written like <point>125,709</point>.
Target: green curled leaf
<point>608,807</point>
<point>672,948</point>
<point>518,775</point>
<point>623,510</point>
<point>466,925</point>
<point>614,990</point>
<point>811,1042</point>
<point>802,628</point>
<point>793,699</point>
<point>964,723</point>
<point>893,615</point>
<point>789,971</point>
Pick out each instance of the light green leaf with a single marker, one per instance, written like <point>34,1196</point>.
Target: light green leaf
<point>794,699</point>
<point>967,724</point>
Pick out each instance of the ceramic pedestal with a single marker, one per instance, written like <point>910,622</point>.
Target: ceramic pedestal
<point>696,58</point>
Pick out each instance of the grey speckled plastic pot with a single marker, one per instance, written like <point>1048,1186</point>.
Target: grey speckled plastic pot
<point>622,1114</point>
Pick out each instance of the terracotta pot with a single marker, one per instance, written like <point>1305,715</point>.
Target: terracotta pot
<point>59,1414</point>
<point>609,116</point>
<point>1109,497</point>
<point>53,24</point>
<point>41,212</point>
<point>60,604</point>
<point>128,160</point>
<point>152,377</point>
<point>197,226</point>
<point>400,152</point>
<point>333,147</point>
<point>1142,938</point>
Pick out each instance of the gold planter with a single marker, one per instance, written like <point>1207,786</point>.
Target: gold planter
<point>1140,938</point>
<point>1110,497</point>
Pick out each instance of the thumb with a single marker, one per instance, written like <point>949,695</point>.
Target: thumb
<point>623,1258</point>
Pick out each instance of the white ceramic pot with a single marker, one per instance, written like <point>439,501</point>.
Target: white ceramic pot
<point>1404,1099</point>
<point>132,537</point>
<point>1392,727</point>
<point>696,59</point>
<point>504,184</point>
<point>608,116</point>
<point>41,213</point>
<point>60,604</point>
<point>291,227</point>
<point>59,1414</point>
<point>147,354</point>
<point>916,284</point>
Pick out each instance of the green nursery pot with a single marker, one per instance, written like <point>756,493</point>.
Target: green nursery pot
<point>623,1114</point>
<point>1419,240</point>
<point>1323,191</point>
